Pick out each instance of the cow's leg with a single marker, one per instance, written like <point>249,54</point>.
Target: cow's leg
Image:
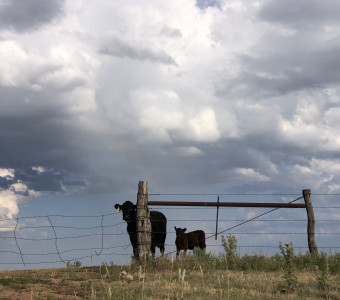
<point>153,250</point>
<point>185,247</point>
<point>177,253</point>
<point>162,249</point>
<point>135,251</point>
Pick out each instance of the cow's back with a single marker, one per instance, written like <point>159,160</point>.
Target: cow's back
<point>158,222</point>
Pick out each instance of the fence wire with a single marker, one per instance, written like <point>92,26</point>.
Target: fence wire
<point>101,250</point>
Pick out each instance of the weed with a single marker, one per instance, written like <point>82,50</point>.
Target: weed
<point>323,275</point>
<point>230,249</point>
<point>290,280</point>
<point>181,277</point>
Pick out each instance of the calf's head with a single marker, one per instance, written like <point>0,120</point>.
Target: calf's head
<point>180,231</point>
<point>128,209</point>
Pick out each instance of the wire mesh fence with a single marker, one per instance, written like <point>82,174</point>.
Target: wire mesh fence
<point>49,240</point>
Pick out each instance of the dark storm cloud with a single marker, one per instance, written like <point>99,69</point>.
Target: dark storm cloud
<point>208,169</point>
<point>35,139</point>
<point>100,184</point>
<point>35,135</point>
<point>5,183</point>
<point>281,63</point>
<point>27,15</point>
<point>292,64</point>
<point>50,180</point>
<point>42,132</point>
<point>121,48</point>
<point>300,13</point>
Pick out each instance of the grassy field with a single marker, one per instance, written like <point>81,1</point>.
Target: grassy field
<point>198,276</point>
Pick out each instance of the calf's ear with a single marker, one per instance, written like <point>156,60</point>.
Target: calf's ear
<point>118,207</point>
<point>175,227</point>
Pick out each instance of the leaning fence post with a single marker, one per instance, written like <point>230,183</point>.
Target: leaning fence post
<point>313,249</point>
<point>143,221</point>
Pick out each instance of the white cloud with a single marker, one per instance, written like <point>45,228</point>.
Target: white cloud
<point>325,165</point>
<point>319,173</point>
<point>188,151</point>
<point>11,197</point>
<point>8,204</point>
<point>19,68</point>
<point>303,134</point>
<point>39,169</point>
<point>203,127</point>
<point>7,173</point>
<point>18,187</point>
<point>249,174</point>
<point>333,188</point>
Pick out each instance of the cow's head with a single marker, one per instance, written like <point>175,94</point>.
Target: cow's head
<point>180,231</point>
<point>128,209</point>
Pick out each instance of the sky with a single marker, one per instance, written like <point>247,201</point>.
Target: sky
<point>203,98</point>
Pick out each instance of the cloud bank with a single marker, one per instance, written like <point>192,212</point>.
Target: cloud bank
<point>206,95</point>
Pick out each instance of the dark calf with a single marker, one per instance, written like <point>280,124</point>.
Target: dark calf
<point>190,240</point>
<point>158,227</point>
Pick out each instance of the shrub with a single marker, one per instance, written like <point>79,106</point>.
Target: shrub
<point>290,280</point>
<point>323,275</point>
<point>230,248</point>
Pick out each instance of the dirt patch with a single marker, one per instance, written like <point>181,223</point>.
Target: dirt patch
<point>41,284</point>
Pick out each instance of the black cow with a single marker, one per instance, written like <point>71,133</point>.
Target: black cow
<point>158,227</point>
<point>190,240</point>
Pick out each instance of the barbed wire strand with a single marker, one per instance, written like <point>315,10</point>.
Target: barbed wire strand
<point>63,238</point>
<point>65,227</point>
<point>168,232</point>
<point>243,222</point>
<point>258,216</point>
<point>171,220</point>
<point>62,216</point>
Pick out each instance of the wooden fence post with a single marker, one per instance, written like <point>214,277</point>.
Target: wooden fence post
<point>313,249</point>
<point>143,221</point>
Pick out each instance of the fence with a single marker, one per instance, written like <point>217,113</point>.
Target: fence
<point>306,195</point>
<point>54,240</point>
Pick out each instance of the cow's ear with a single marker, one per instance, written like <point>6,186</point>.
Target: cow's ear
<point>175,227</point>
<point>118,207</point>
<point>184,230</point>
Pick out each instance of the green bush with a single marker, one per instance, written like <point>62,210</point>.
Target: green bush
<point>230,248</point>
<point>290,280</point>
